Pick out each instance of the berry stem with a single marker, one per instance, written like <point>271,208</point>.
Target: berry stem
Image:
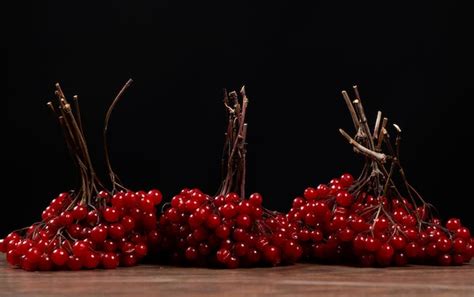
<point>234,155</point>
<point>113,176</point>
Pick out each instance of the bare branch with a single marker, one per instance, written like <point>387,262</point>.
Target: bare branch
<point>352,111</point>
<point>362,149</point>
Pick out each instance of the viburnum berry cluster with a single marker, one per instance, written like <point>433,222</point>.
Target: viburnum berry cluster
<point>378,219</point>
<point>91,227</point>
<point>227,230</point>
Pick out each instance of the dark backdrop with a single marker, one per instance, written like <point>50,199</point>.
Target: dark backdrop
<point>410,60</point>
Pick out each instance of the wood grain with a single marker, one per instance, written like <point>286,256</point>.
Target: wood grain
<point>296,280</point>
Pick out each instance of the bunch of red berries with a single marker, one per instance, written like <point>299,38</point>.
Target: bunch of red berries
<point>111,231</point>
<point>336,227</point>
<point>368,221</point>
<point>88,228</point>
<point>377,219</point>
<point>227,230</point>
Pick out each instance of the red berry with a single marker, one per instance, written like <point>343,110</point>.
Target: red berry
<point>146,204</point>
<point>111,214</point>
<point>103,195</point>
<point>128,223</point>
<point>272,255</point>
<point>457,259</point>
<point>232,198</point>
<point>398,242</point>
<point>141,250</point>
<point>310,193</point>
<point>444,259</point>
<point>59,256</point>
<point>459,245</point>
<point>253,256</point>
<point>155,196</point>
<point>213,221</point>
<point>66,218</point>
<point>256,199</point>
<point>380,224</point>
<point>74,263</point>
<point>233,263</point>
<point>149,220</point>
<point>80,248</point>
<point>322,191</point>
<point>79,212</point>
<point>385,254</point>
<point>372,244</point>
<point>432,249</point>
<point>444,244</point>
<point>463,232</point>
<point>98,233</point>
<point>358,224</point>
<point>118,200</point>
<point>469,253</point>
<point>13,258</point>
<point>244,221</point>
<point>191,254</point>
<point>241,249</point>
<point>229,210</point>
<point>27,264</point>
<point>110,261</point>
<point>292,250</point>
<point>453,224</point>
<point>343,198</point>
<point>346,180</point>
<point>90,260</point>
<point>109,246</point>
<point>222,231</point>
<point>346,234</point>
<point>92,217</point>
<point>298,202</point>
<point>74,230</point>
<point>334,189</point>
<point>130,199</point>
<point>129,260</point>
<point>116,231</point>
<point>45,263</point>
<point>223,255</point>
<point>320,209</point>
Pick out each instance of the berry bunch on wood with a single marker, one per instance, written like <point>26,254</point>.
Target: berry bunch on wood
<point>90,227</point>
<point>228,229</point>
<point>377,219</point>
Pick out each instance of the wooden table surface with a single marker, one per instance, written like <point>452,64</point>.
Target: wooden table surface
<point>296,280</point>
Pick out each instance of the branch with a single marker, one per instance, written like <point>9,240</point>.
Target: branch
<point>374,155</point>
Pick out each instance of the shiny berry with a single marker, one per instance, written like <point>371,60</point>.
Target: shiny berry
<point>111,214</point>
<point>59,256</point>
<point>110,261</point>
<point>346,180</point>
<point>453,224</point>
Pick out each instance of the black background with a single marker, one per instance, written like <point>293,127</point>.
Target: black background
<point>410,60</point>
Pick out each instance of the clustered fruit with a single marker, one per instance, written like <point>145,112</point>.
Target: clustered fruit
<point>227,230</point>
<point>377,219</point>
<point>336,226</point>
<point>368,221</point>
<point>89,228</point>
<point>118,230</point>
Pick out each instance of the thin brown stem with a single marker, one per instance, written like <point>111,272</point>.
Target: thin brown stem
<point>112,175</point>
<point>369,153</point>
<point>352,111</point>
